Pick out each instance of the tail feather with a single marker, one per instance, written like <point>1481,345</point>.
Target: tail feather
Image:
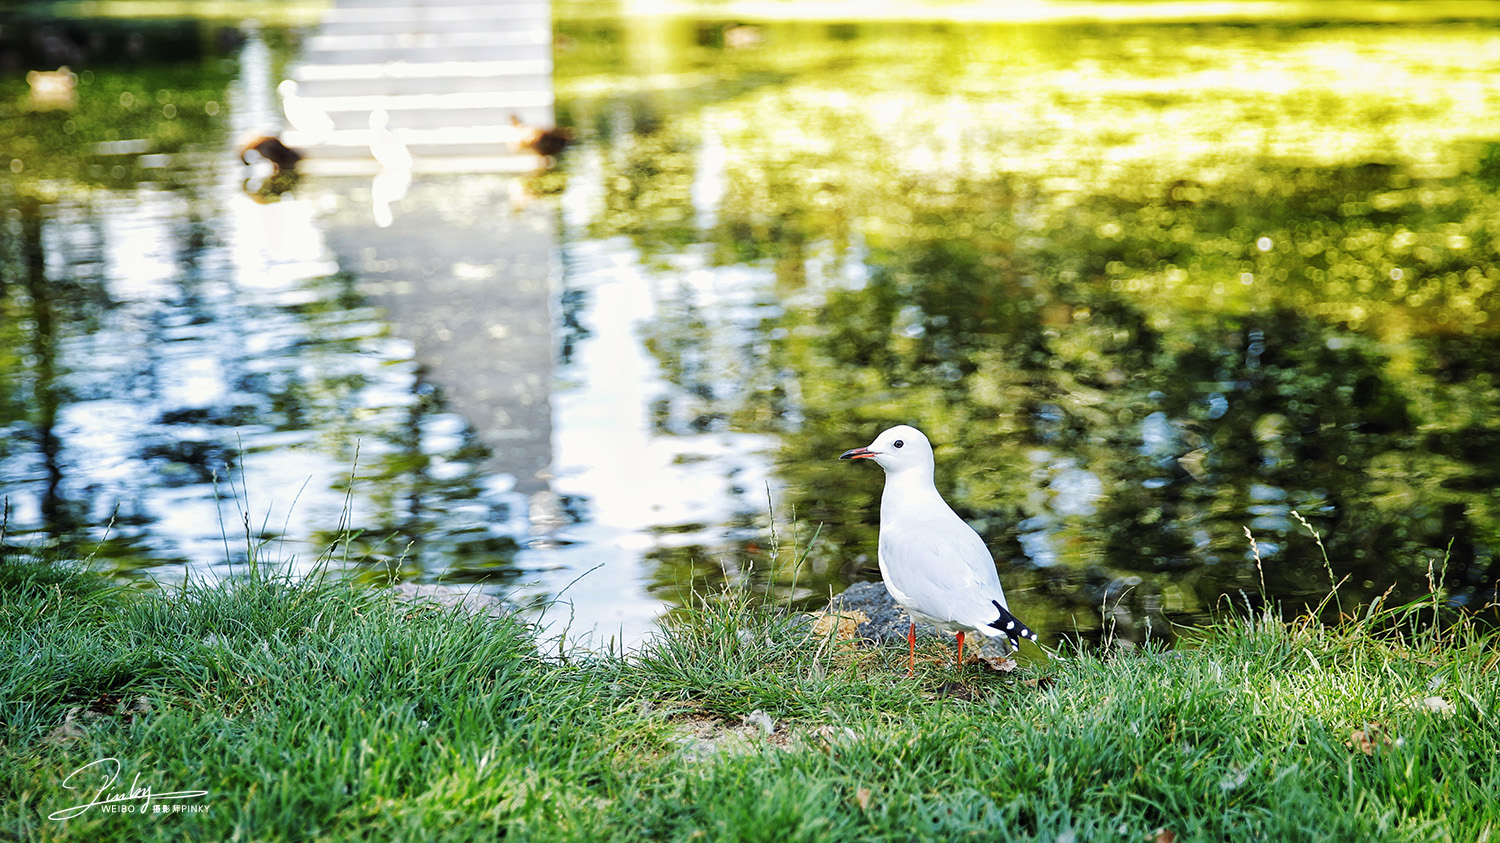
<point>1010,626</point>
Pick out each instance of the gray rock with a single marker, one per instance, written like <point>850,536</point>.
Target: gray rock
<point>888,623</point>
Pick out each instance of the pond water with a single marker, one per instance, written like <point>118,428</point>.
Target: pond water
<point>1194,312</point>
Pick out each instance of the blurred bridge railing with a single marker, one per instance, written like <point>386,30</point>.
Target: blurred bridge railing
<point>449,75</point>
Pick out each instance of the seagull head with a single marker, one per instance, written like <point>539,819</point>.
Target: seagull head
<point>897,449</point>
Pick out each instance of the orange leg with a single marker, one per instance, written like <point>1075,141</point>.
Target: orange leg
<point>911,641</point>
<point>960,648</point>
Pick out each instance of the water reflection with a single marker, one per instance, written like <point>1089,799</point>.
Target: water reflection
<point>1142,293</point>
<point>1141,318</point>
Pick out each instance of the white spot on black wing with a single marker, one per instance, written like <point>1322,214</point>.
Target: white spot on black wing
<point>1011,625</point>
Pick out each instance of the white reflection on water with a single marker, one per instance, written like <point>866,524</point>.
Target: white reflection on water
<point>633,477</point>
<point>626,476</point>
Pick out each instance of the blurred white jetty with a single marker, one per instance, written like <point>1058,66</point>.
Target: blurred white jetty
<point>448,73</point>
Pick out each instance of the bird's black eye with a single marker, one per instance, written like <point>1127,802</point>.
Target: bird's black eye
<point>899,443</point>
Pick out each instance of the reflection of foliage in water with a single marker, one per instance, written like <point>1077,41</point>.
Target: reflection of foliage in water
<point>1215,274</point>
<point>141,384</point>
<point>144,89</point>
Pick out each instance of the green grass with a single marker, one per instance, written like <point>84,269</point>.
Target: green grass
<point>320,711</point>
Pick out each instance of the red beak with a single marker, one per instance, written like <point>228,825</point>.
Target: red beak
<point>857,454</point>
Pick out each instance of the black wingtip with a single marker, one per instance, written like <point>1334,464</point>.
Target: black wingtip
<point>1011,626</point>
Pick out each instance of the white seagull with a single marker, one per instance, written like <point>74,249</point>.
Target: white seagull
<point>933,563</point>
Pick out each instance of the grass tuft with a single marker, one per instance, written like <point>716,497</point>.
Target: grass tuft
<point>314,709</point>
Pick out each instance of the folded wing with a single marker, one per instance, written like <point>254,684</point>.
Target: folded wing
<point>943,572</point>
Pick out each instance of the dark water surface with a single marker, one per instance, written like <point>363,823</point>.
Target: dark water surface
<point>1147,287</point>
